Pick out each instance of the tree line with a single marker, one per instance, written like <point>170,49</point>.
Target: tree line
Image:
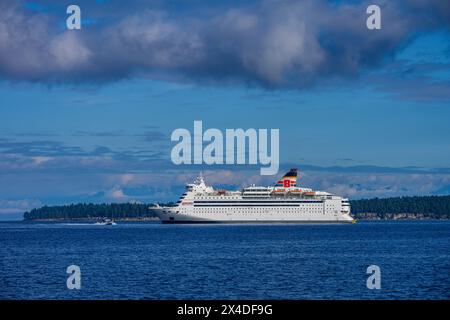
<point>434,207</point>
<point>91,211</point>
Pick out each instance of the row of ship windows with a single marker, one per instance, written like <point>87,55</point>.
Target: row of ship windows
<point>216,197</point>
<point>301,206</point>
<point>256,203</point>
<point>261,210</point>
<point>253,206</point>
<point>246,200</point>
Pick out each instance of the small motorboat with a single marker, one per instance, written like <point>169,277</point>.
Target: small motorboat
<point>105,222</point>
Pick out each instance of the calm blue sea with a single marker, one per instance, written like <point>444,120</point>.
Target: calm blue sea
<point>155,261</point>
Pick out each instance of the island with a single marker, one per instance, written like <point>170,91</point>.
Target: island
<point>397,208</point>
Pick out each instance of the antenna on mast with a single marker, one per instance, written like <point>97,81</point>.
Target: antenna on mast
<point>199,179</point>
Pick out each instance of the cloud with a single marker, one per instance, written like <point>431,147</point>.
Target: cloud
<point>413,81</point>
<point>37,148</point>
<point>364,185</point>
<point>41,160</point>
<point>148,136</point>
<point>275,44</point>
<point>82,133</point>
<point>154,136</point>
<point>33,134</point>
<point>8,207</point>
<point>117,195</point>
<point>31,50</point>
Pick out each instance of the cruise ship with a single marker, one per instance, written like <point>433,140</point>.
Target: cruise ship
<point>284,202</point>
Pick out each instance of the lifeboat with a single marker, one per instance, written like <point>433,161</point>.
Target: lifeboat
<point>309,193</point>
<point>221,192</point>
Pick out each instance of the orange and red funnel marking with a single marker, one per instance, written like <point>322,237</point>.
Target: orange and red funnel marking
<point>288,180</point>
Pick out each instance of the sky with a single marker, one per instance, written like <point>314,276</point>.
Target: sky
<point>86,115</point>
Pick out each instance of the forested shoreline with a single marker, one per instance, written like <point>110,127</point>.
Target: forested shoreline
<point>425,207</point>
<point>90,211</point>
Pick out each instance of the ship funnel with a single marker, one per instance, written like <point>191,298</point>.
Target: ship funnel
<point>288,180</point>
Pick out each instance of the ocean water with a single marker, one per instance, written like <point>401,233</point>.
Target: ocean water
<point>155,261</point>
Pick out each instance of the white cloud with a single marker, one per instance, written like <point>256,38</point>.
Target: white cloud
<point>18,206</point>
<point>40,160</point>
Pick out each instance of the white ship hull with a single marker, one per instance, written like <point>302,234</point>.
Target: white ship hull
<point>225,215</point>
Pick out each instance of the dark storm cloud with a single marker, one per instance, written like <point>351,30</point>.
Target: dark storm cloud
<point>273,43</point>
